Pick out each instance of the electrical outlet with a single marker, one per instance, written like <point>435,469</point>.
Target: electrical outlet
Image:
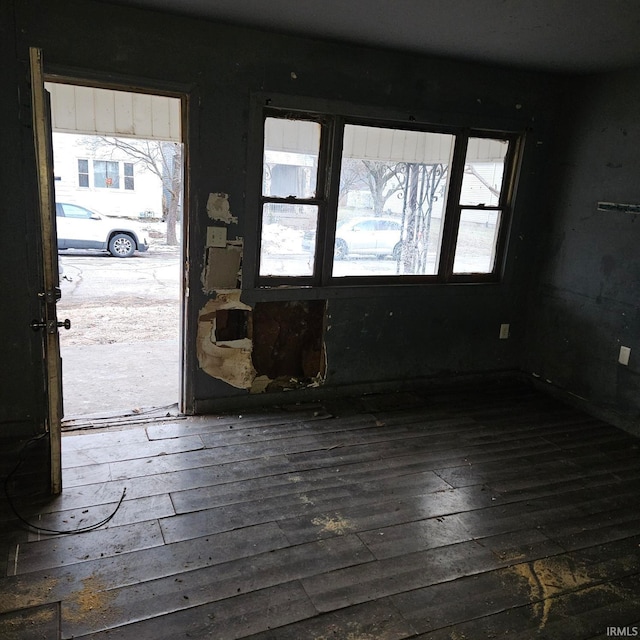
<point>504,331</point>
<point>623,358</point>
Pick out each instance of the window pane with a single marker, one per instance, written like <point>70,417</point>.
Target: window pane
<point>393,189</point>
<point>73,211</point>
<point>476,243</point>
<point>83,173</point>
<point>113,175</point>
<point>106,174</point>
<point>128,176</point>
<point>290,161</point>
<point>483,172</point>
<point>288,243</point>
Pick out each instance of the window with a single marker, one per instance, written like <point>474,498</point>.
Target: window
<point>83,173</point>
<point>346,202</point>
<point>74,211</point>
<point>480,206</point>
<point>290,204</point>
<point>397,179</point>
<point>106,174</point>
<point>128,176</point>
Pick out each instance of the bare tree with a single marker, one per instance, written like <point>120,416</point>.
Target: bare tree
<point>422,184</point>
<point>379,177</point>
<point>351,178</point>
<point>160,157</point>
<point>419,185</point>
<point>172,187</point>
<point>471,170</point>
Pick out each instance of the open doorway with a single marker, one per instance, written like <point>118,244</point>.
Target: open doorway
<point>118,168</point>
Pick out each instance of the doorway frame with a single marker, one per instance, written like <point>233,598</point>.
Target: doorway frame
<point>188,96</point>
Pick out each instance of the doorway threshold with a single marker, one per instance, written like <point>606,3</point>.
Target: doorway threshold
<point>105,420</point>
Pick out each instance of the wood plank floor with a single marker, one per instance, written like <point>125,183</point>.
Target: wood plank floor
<point>478,512</point>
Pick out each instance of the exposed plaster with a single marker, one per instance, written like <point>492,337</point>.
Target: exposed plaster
<point>260,384</point>
<point>292,357</point>
<point>222,267</point>
<point>218,208</point>
<point>230,360</point>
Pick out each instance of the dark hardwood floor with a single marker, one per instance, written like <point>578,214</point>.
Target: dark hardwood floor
<point>478,512</point>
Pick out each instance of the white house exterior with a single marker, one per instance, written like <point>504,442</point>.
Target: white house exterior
<point>103,179</point>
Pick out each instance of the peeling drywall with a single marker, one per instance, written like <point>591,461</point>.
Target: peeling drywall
<point>286,351</point>
<point>226,360</point>
<point>276,346</point>
<point>260,384</point>
<point>222,257</point>
<point>222,267</point>
<point>218,208</point>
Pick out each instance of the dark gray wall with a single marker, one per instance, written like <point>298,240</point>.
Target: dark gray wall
<point>375,335</point>
<point>21,367</point>
<point>587,302</point>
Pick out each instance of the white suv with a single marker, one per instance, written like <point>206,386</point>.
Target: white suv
<point>80,228</point>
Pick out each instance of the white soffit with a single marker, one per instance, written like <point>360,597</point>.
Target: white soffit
<point>105,112</point>
<point>302,138</point>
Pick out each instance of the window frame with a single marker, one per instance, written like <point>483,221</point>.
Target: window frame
<point>332,123</point>
<point>84,174</point>
<point>454,207</point>
<point>106,164</point>
<point>128,179</point>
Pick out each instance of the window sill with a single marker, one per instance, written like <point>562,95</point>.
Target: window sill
<point>373,290</point>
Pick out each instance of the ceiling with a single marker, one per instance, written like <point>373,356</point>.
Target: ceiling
<point>576,36</point>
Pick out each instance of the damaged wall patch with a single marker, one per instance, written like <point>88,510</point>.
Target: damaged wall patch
<point>222,267</point>
<point>288,344</point>
<point>218,208</point>
<point>230,362</point>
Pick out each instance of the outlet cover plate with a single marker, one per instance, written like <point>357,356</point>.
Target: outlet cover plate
<point>623,357</point>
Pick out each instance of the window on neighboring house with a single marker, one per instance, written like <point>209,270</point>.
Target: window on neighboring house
<point>83,173</point>
<point>128,176</point>
<point>106,174</point>
<point>346,201</point>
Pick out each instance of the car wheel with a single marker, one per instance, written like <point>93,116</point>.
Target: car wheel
<point>397,251</point>
<point>122,245</point>
<point>341,249</point>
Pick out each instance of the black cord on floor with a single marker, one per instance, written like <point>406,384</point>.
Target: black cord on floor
<point>43,530</point>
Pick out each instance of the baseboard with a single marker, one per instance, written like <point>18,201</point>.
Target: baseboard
<point>626,423</point>
<point>319,394</point>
